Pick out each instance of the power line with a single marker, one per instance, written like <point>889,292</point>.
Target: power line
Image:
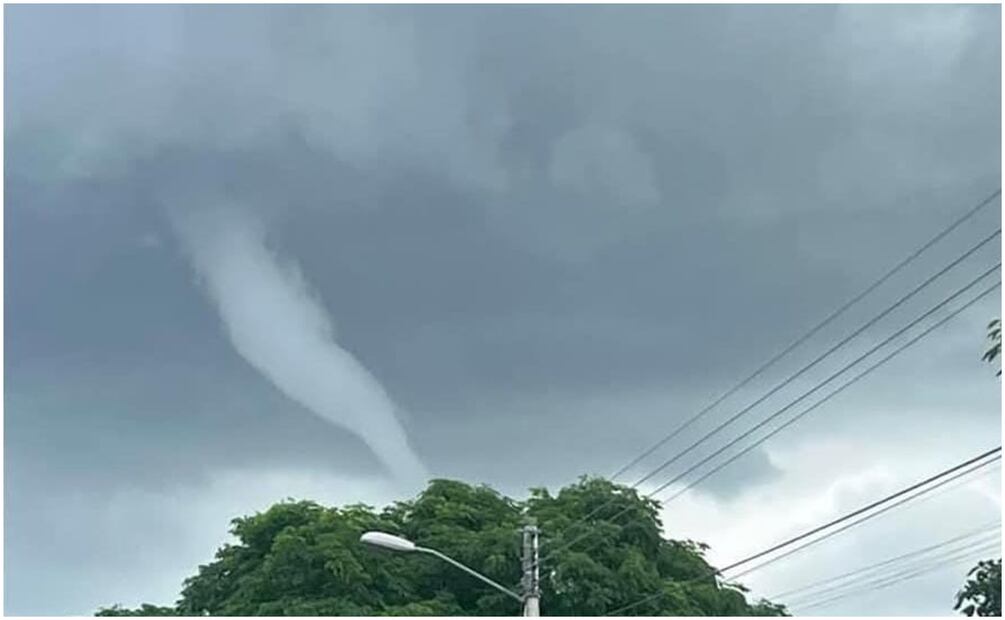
<point>587,534</point>
<point>715,571</point>
<point>925,494</point>
<point>833,393</point>
<point>821,357</point>
<point>826,321</point>
<point>796,375</point>
<point>865,518</point>
<point>973,537</point>
<point>891,580</point>
<point>897,569</point>
<point>943,474</point>
<point>982,530</point>
<point>866,508</point>
<point>872,577</point>
<point>943,563</point>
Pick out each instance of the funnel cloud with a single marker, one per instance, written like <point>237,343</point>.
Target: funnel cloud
<point>281,329</point>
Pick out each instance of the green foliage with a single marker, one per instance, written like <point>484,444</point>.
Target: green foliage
<point>981,595</point>
<point>765,607</point>
<point>299,558</point>
<point>995,347</point>
<point>143,610</point>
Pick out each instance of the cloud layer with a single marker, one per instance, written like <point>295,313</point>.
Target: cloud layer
<point>551,233</point>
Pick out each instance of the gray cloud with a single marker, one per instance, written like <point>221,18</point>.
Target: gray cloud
<point>550,232</point>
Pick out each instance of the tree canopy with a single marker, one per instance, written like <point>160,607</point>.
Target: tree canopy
<point>994,349</point>
<point>981,595</point>
<point>300,558</point>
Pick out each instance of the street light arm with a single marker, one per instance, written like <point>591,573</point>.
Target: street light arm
<point>471,572</point>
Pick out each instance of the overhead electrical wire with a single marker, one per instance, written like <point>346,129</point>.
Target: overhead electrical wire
<point>924,494</point>
<point>892,568</point>
<point>844,341</point>
<point>928,330</point>
<point>833,393</point>
<point>891,580</point>
<point>970,538</point>
<point>972,464</point>
<point>968,466</point>
<point>813,331</point>
<point>822,356</point>
<point>983,530</point>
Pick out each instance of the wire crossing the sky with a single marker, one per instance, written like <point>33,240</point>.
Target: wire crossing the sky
<point>868,507</point>
<point>894,567</point>
<point>968,555</point>
<point>833,393</point>
<point>814,330</point>
<point>924,493</point>
<point>943,477</point>
<point>813,407</point>
<point>975,536</point>
<point>834,348</point>
<point>822,356</point>
<point>808,410</point>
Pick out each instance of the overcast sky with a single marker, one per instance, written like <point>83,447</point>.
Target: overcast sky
<point>541,237</point>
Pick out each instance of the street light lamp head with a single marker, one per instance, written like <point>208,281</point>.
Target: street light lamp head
<point>388,541</point>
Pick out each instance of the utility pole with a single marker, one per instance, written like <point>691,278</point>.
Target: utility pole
<point>531,585</point>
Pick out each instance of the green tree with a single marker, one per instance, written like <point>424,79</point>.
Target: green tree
<point>299,558</point>
<point>981,595</point>
<point>995,347</point>
<point>143,610</point>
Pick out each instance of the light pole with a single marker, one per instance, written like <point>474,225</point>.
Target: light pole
<point>396,543</point>
<point>531,586</point>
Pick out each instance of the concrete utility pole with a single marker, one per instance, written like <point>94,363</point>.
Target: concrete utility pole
<point>531,585</point>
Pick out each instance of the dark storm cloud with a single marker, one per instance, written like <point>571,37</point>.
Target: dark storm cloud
<point>578,223</point>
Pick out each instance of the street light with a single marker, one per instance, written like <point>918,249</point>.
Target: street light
<point>388,541</point>
<point>396,543</point>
